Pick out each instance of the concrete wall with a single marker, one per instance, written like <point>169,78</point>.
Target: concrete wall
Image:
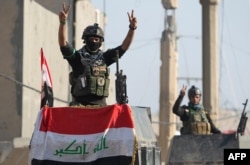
<point>28,26</point>
<point>11,68</point>
<point>40,31</point>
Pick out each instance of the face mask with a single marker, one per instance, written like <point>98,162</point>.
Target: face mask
<point>93,46</point>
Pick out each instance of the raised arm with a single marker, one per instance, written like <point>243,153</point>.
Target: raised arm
<point>177,105</point>
<point>130,35</point>
<point>62,31</point>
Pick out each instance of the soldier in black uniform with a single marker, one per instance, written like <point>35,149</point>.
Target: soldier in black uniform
<point>195,119</point>
<point>90,73</point>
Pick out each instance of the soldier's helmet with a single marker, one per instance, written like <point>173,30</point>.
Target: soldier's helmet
<point>193,91</point>
<point>93,30</point>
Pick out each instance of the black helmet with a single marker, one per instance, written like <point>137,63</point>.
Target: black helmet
<point>193,91</point>
<point>93,30</point>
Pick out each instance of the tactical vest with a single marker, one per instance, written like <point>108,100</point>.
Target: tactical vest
<point>94,80</point>
<point>197,123</point>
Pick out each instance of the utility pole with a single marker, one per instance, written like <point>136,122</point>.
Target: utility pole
<point>210,56</point>
<point>168,78</point>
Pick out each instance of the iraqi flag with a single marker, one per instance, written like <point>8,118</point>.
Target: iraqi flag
<point>47,92</point>
<point>84,136</point>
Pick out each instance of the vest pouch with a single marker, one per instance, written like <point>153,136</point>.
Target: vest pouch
<point>100,81</point>
<point>106,87</point>
<point>80,84</point>
<point>194,128</point>
<point>201,128</point>
<point>208,128</point>
<point>102,88</point>
<point>92,85</point>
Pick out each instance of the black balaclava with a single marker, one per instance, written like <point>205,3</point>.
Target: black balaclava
<point>92,46</point>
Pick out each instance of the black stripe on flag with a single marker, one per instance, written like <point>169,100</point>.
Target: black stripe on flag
<point>115,160</point>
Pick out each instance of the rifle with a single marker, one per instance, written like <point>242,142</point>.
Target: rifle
<point>243,120</point>
<point>120,84</point>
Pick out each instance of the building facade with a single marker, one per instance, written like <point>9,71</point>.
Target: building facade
<point>30,25</point>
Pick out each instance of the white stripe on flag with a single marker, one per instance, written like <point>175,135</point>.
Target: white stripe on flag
<point>83,148</point>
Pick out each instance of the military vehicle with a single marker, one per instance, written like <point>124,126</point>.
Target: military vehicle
<point>205,149</point>
<point>113,134</point>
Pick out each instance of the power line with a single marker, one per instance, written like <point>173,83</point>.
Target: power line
<point>26,86</point>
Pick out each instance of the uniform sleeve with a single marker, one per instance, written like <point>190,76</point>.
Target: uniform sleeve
<point>177,109</point>
<point>110,55</point>
<point>67,51</point>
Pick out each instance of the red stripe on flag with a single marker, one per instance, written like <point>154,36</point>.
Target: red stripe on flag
<point>71,120</point>
<point>46,77</point>
<point>46,84</point>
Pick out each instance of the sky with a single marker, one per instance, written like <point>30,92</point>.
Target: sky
<point>141,63</point>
